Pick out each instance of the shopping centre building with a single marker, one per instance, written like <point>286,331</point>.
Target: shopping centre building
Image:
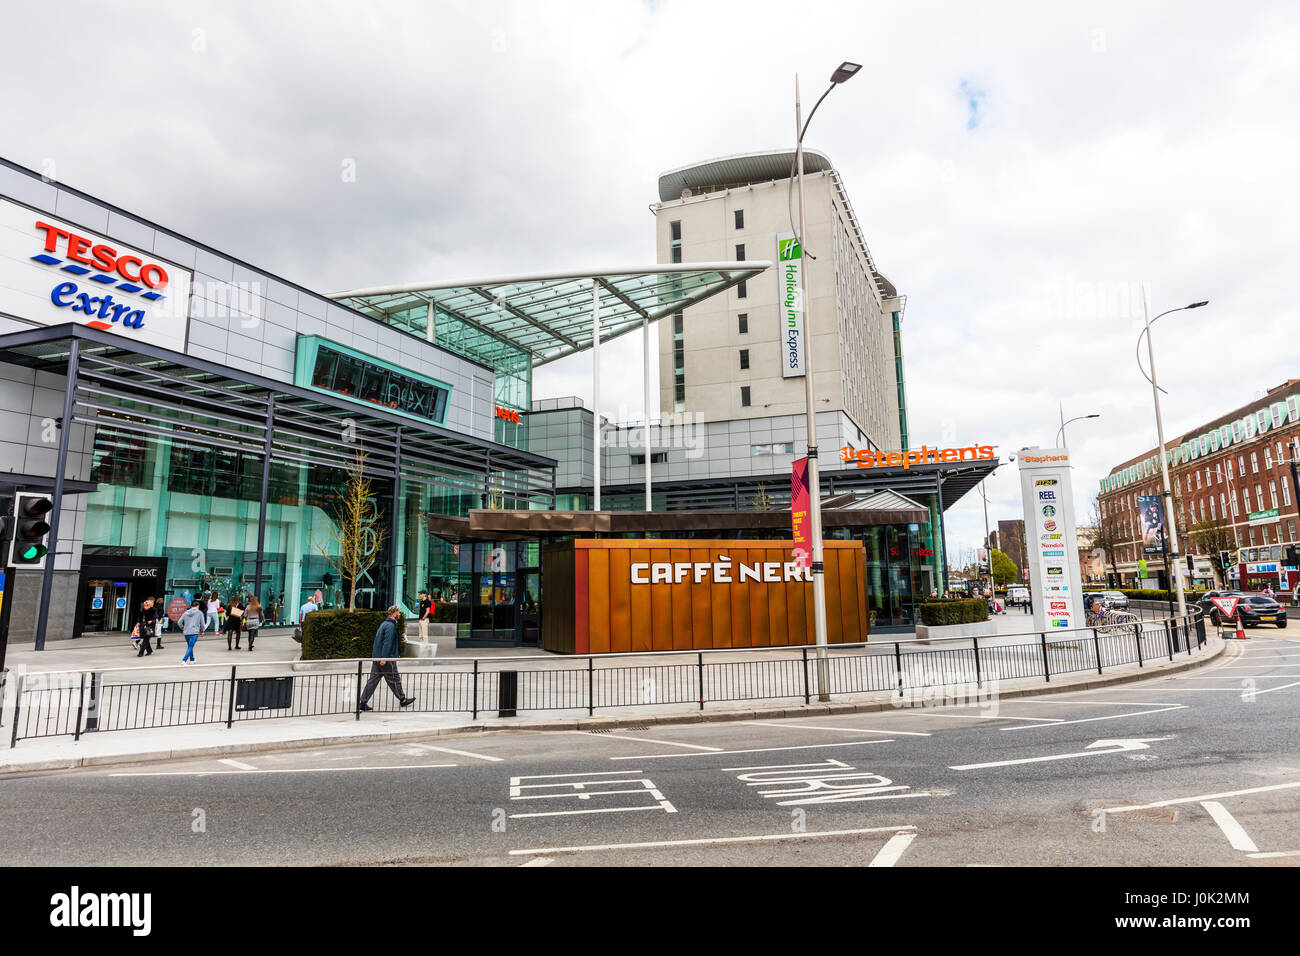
<point>196,418</point>
<point>1233,482</point>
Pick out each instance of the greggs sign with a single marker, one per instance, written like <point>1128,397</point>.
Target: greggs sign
<point>53,272</point>
<point>867,458</point>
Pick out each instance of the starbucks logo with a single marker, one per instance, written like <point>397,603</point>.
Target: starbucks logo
<point>1049,511</point>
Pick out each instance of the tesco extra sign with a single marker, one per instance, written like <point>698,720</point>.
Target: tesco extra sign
<point>52,272</point>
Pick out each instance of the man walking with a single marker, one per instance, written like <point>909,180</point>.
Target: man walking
<point>192,622</point>
<point>385,651</point>
<point>426,612</point>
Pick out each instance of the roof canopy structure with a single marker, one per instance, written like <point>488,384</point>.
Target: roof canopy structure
<point>549,315</point>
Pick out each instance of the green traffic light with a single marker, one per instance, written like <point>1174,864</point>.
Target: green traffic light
<point>33,552</point>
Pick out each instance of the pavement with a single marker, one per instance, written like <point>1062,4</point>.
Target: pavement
<point>387,723</point>
<point>1188,767</point>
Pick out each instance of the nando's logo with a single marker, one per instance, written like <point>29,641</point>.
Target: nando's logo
<point>126,274</point>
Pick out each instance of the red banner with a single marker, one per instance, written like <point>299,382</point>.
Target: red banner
<point>800,515</point>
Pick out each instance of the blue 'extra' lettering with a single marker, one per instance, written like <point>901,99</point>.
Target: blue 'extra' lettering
<point>63,291</point>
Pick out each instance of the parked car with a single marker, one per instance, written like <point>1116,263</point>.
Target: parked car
<point>1115,599</point>
<point>1017,597</point>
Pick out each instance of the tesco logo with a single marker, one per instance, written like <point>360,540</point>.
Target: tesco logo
<point>82,256</point>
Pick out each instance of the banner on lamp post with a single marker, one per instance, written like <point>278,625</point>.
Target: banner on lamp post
<point>789,254</point>
<point>800,515</point>
<point>1151,507</point>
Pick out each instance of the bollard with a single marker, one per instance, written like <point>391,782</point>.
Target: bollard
<point>898,666</point>
<point>92,709</point>
<point>1097,647</point>
<point>591,676</point>
<point>976,642</point>
<point>474,694</point>
<point>807,696</point>
<point>230,706</point>
<point>358,705</point>
<point>18,709</point>
<point>1137,636</point>
<point>81,700</point>
<point>700,668</point>
<point>507,693</point>
<point>1047,675</point>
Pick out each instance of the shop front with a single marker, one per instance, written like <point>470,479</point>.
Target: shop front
<point>112,589</point>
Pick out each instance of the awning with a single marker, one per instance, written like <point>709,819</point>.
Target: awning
<point>546,315</point>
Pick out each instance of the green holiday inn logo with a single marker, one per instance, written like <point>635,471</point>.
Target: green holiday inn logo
<point>788,249</point>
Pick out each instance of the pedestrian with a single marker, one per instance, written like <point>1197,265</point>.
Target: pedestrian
<point>210,605</point>
<point>221,614</point>
<point>426,612</point>
<point>192,624</point>
<point>308,606</point>
<point>252,619</point>
<point>148,618</point>
<point>385,651</point>
<point>234,614</point>
<point>161,621</point>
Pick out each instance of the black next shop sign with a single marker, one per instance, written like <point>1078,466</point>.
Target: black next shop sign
<point>329,367</point>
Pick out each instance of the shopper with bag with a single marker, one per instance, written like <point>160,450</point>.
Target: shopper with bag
<point>234,616</point>
<point>145,626</point>
<point>252,619</point>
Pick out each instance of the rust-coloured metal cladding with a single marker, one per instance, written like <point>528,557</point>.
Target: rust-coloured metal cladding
<point>612,596</point>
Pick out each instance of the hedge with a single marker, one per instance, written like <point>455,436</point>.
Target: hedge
<point>1152,594</point>
<point>954,611</point>
<point>339,633</point>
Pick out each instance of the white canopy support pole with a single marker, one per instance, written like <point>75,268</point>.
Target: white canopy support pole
<point>430,329</point>
<point>595,399</point>
<point>645,382</point>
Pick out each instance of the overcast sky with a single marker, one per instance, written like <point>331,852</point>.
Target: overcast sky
<point>1019,169</point>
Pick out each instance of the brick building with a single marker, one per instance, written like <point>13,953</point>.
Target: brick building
<point>1235,469</point>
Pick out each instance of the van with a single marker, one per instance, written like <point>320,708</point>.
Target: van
<point>1017,597</point>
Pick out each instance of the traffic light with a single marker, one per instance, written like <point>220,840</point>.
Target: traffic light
<point>31,531</point>
<point>1191,566</point>
<point>1225,559</point>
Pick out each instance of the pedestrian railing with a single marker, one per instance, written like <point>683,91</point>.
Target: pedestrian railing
<point>61,703</point>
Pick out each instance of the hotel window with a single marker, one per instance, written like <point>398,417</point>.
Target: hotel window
<point>1241,463</point>
<point>744,396</point>
<point>1286,491</point>
<point>1245,500</point>
<point>1213,516</point>
<point>740,252</point>
<point>1254,461</point>
<point>741,291</point>
<point>679,362</point>
<point>744,322</point>
<point>1268,457</point>
<point>1178,485</point>
<point>744,358</point>
<point>1223,504</point>
<point>1259,497</point>
<point>1229,463</point>
<point>1272,491</point>
<point>1280,457</point>
<point>1252,535</point>
<point>1290,530</point>
<point>740,219</point>
<point>1198,481</point>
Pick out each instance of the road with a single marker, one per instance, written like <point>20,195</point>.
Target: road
<point>1200,768</point>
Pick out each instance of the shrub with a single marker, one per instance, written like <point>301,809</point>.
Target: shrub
<point>940,612</point>
<point>1152,594</point>
<point>338,633</point>
<point>445,612</point>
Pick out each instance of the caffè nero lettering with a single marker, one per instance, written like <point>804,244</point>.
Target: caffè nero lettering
<point>719,571</point>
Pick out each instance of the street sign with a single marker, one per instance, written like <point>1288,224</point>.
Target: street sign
<point>1226,605</point>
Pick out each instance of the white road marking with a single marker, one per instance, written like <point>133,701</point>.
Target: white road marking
<point>1274,854</point>
<point>458,753</point>
<point>237,764</point>
<point>1092,750</point>
<point>892,850</point>
<point>1257,666</point>
<point>1202,797</point>
<point>710,841</point>
<point>548,776</point>
<point>666,807</point>
<point>647,740</point>
<point>1233,830</point>
<point>759,750</point>
<point>218,773</point>
<point>938,713</point>
<point>1133,713</point>
<point>1271,689</point>
<point>540,861</point>
<point>843,730</point>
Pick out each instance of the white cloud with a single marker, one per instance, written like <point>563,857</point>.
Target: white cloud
<point>1118,143</point>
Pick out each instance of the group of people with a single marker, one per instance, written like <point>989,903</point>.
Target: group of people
<point>242,616</point>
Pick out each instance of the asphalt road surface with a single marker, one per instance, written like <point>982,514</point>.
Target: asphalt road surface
<point>1201,768</point>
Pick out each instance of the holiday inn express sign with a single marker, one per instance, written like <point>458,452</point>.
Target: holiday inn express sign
<point>790,256</point>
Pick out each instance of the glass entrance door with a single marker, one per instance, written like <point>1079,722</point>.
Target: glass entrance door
<point>107,605</point>
<point>528,606</point>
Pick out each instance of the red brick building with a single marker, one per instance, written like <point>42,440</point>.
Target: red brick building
<point>1235,469</point>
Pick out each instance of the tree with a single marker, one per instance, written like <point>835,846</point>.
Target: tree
<point>1109,535</point>
<point>355,532</point>
<point>1211,536</point>
<point>761,500</point>
<point>1004,569</point>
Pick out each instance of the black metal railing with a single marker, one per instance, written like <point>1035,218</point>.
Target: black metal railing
<point>77,702</point>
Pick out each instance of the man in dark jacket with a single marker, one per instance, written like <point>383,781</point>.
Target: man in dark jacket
<point>385,651</point>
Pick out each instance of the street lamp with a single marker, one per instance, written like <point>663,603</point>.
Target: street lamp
<point>1060,434</point>
<point>1171,530</point>
<point>842,74</point>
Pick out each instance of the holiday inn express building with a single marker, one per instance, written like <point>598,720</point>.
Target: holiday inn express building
<point>196,418</point>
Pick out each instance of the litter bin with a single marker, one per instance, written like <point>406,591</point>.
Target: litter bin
<point>507,693</point>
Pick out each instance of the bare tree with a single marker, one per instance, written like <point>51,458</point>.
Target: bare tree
<point>355,532</point>
<point>761,500</point>
<point>1109,535</point>
<point>1211,536</point>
